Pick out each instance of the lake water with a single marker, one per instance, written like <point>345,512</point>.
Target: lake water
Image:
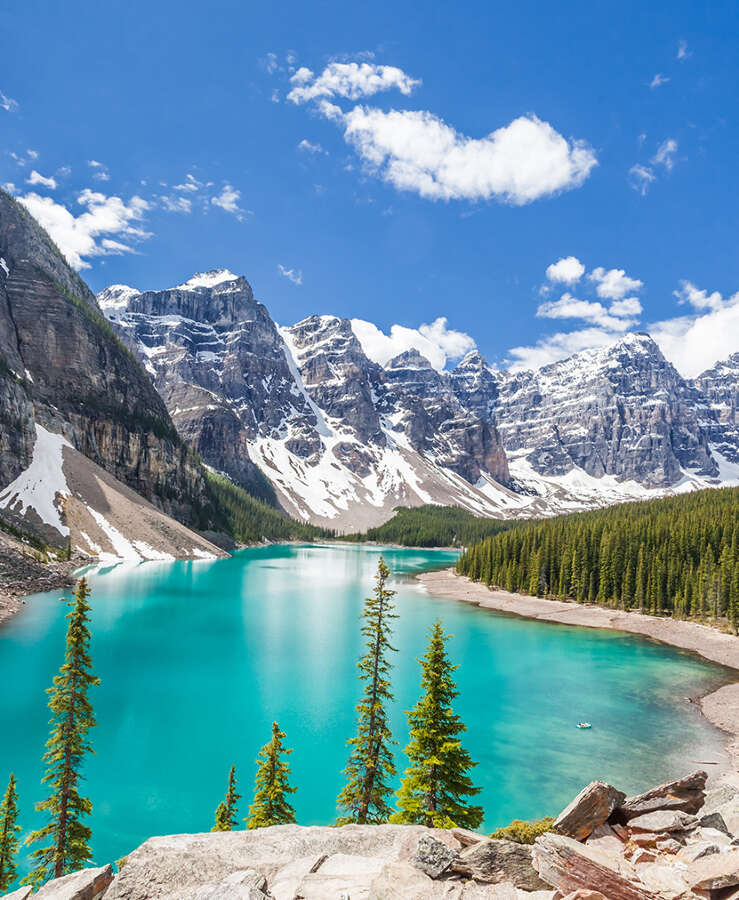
<point>197,659</point>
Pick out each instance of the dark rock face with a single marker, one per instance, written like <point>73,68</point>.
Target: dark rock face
<point>622,411</point>
<point>589,810</point>
<point>720,388</point>
<point>61,365</point>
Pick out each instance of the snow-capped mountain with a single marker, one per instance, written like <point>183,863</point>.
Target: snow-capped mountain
<point>343,439</point>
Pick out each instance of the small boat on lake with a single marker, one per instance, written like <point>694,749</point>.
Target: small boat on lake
<point>584,725</point>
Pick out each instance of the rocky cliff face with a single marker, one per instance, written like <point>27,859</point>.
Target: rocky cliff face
<point>341,439</point>
<point>63,368</point>
<point>622,411</point>
<point>719,386</point>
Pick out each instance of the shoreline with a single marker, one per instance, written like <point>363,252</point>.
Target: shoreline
<point>720,707</point>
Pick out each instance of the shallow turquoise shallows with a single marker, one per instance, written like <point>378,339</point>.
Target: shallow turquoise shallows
<point>197,659</point>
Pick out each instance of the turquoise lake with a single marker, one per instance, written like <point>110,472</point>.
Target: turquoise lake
<point>197,658</point>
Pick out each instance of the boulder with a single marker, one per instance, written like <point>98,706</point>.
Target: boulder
<point>713,820</point>
<point>341,875</point>
<point>466,837</point>
<point>21,894</point>
<point>432,856</point>
<point>495,862</point>
<point>591,808</point>
<point>605,838</point>
<point>403,881</point>
<point>663,820</point>
<point>669,845</point>
<point>87,884</point>
<point>569,866</point>
<point>711,873</point>
<point>718,797</point>
<point>247,884</point>
<point>685,795</point>
<point>585,895</point>
<point>730,814</point>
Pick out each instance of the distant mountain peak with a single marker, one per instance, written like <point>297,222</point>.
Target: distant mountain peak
<point>116,297</point>
<point>409,359</point>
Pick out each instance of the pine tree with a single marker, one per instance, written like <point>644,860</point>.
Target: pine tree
<point>371,761</point>
<point>270,805</point>
<point>436,783</point>
<point>9,831</point>
<point>226,813</point>
<point>72,718</point>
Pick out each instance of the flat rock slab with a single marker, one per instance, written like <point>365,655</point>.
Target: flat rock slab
<point>569,866</point>
<point>87,884</point>
<point>685,795</point>
<point>663,820</point>
<point>590,809</point>
<point>496,862</point>
<point>711,873</point>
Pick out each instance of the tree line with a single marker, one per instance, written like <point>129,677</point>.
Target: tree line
<point>435,789</point>
<point>676,556</point>
<point>432,526</point>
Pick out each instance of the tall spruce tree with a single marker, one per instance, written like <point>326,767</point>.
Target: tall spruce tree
<point>270,805</point>
<point>227,809</point>
<point>9,831</point>
<point>436,785</point>
<point>72,718</point>
<point>371,761</point>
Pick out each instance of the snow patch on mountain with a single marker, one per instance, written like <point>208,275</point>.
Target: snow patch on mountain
<point>206,280</point>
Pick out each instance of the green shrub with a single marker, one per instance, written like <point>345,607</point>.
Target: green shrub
<point>523,832</point>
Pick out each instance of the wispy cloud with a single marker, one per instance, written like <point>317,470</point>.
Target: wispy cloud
<point>682,51</point>
<point>665,154</point>
<point>294,275</point>
<point>99,170</point>
<point>658,80</point>
<point>7,103</point>
<point>309,147</point>
<point>228,200</point>
<point>20,160</point>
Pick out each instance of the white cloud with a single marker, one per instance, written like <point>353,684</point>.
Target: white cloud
<point>697,298</point>
<point>694,343</point>
<point>436,341</point>
<point>24,160</point>
<point>37,178</point>
<point>7,103</point>
<point>100,170</point>
<point>665,153</point>
<point>566,270</point>
<point>629,306</point>
<point>682,51</point>
<point>294,275</point>
<point>91,233</point>
<point>228,199</point>
<point>641,178</point>
<point>309,147</point>
<point>569,307</point>
<point>176,204</point>
<point>558,346</point>
<point>350,80</point>
<point>614,284</point>
<point>416,151</point>
<point>658,80</point>
<point>190,184</point>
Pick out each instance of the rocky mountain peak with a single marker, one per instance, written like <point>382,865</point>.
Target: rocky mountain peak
<point>213,278</point>
<point>409,359</point>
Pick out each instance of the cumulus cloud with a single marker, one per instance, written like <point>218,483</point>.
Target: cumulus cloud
<point>693,343</point>
<point>665,154</point>
<point>629,306</point>
<point>97,230</point>
<point>558,346</point>
<point>189,185</point>
<point>228,200</point>
<point>436,341</point>
<point>569,307</point>
<point>658,80</point>
<point>37,178</point>
<point>614,284</point>
<point>567,270</point>
<point>416,151</point>
<point>349,80</point>
<point>640,177</point>
<point>294,275</point>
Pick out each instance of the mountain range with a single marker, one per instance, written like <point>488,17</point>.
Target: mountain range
<point>119,410</point>
<point>343,440</point>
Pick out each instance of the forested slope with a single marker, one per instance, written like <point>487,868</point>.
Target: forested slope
<point>431,526</point>
<point>673,556</point>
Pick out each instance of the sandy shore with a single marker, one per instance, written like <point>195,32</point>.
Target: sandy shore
<point>721,708</point>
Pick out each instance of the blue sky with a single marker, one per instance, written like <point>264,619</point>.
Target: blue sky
<point>396,162</point>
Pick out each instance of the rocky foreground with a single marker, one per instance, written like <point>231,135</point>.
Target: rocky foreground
<point>675,842</point>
